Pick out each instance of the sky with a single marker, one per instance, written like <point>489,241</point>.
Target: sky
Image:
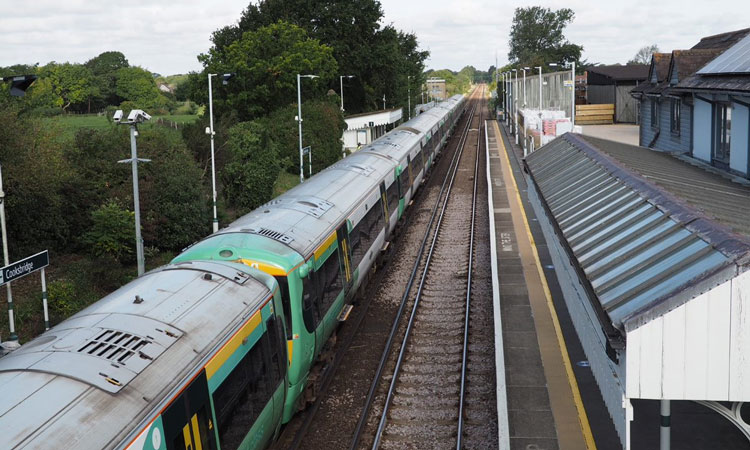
<point>165,37</point>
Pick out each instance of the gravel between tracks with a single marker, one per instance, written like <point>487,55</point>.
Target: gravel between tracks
<point>435,365</point>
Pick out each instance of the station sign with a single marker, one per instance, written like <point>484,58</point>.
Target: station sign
<point>306,150</point>
<point>24,267</point>
<point>568,83</point>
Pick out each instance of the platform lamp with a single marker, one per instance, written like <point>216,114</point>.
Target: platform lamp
<point>408,87</point>
<point>18,86</point>
<point>540,89</point>
<point>515,103</point>
<point>573,80</point>
<point>341,78</point>
<point>299,120</point>
<point>210,131</point>
<point>524,84</point>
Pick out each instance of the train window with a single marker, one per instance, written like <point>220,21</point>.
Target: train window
<point>403,182</point>
<point>286,303</point>
<point>242,396</point>
<point>309,304</point>
<point>392,195</point>
<point>276,350</point>
<point>368,229</point>
<point>187,423</point>
<point>329,282</point>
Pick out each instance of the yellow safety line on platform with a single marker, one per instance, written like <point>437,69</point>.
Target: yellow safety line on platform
<point>582,417</point>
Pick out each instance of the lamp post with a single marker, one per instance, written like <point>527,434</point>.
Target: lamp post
<point>135,117</point>
<point>540,90</point>
<point>408,86</point>
<point>299,120</point>
<point>210,131</point>
<point>18,86</point>
<point>573,85</point>
<point>341,79</point>
<point>524,84</point>
<point>515,105</point>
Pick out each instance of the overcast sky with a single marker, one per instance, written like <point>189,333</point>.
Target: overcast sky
<point>165,37</point>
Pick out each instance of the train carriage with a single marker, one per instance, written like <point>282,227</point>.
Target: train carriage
<point>320,238</point>
<point>186,356</point>
<point>214,351</point>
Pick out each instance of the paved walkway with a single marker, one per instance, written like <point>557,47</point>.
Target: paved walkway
<point>627,134</point>
<point>544,405</point>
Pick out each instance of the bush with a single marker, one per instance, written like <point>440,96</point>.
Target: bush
<point>252,167</point>
<point>62,299</point>
<point>112,232</point>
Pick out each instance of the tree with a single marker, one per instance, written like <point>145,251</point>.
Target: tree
<point>70,84</point>
<point>111,232</point>
<point>253,166</point>
<point>105,67</point>
<point>644,54</point>
<point>137,86</point>
<point>536,37</point>
<point>380,59</point>
<point>267,62</point>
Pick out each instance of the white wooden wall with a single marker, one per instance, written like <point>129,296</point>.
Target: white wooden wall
<point>698,351</point>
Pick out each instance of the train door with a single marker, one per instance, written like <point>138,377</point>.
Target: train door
<point>384,200</point>
<point>187,422</point>
<point>345,253</point>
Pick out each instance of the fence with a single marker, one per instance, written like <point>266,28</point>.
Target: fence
<point>555,95</point>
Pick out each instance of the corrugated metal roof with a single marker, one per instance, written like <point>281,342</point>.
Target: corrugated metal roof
<point>636,244</point>
<point>735,60</point>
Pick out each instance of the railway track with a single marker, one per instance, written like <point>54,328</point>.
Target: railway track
<point>438,370</point>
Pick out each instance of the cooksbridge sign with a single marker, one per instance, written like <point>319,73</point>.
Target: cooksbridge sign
<point>24,267</point>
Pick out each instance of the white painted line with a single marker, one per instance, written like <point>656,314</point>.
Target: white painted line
<point>503,428</point>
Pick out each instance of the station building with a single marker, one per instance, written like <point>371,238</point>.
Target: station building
<point>362,129</point>
<point>697,102</point>
<point>652,253</point>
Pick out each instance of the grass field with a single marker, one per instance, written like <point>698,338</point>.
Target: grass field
<point>70,123</point>
<point>284,182</point>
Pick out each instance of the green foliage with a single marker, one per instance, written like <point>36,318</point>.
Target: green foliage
<point>111,232</point>
<point>105,67</point>
<point>67,84</point>
<point>536,37</point>
<point>34,178</point>
<point>62,299</point>
<point>382,59</point>
<point>267,62</point>
<point>138,88</point>
<point>253,167</point>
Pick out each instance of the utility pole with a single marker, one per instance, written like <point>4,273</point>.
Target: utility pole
<point>299,120</point>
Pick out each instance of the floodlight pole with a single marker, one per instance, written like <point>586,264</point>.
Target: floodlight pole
<point>213,160</point>
<point>136,202</point>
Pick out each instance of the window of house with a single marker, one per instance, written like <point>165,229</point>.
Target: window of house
<point>674,116</point>
<point>654,113</point>
<point>722,130</point>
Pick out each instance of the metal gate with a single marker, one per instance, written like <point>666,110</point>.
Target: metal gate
<point>625,104</point>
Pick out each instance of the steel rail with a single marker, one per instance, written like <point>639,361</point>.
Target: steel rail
<point>464,358</point>
<point>402,351</point>
<point>330,370</point>
<point>404,298</point>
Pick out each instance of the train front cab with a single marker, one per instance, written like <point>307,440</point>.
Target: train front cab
<point>236,400</point>
<point>312,292</point>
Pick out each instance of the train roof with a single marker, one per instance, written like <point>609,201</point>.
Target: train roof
<point>119,359</point>
<point>303,216</point>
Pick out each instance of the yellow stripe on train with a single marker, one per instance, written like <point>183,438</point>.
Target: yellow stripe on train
<point>230,347</point>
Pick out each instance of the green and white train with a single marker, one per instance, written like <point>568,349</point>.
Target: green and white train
<point>215,350</point>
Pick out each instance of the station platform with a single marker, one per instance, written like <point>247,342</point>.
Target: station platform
<point>550,397</point>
